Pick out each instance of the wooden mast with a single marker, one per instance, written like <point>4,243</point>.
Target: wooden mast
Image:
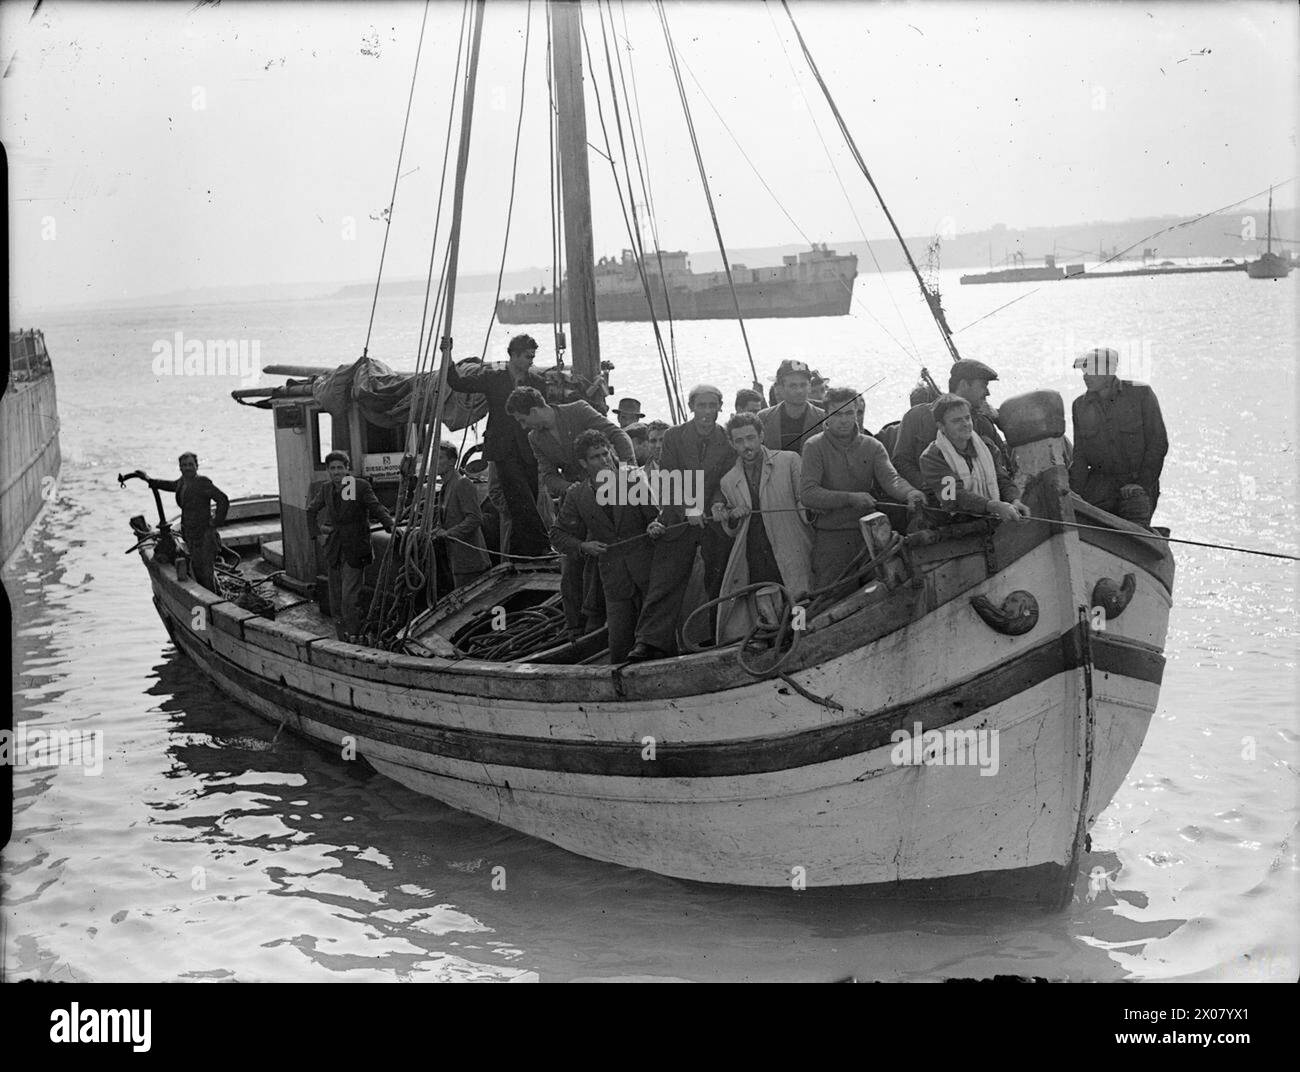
<point>580,285</point>
<point>1270,223</point>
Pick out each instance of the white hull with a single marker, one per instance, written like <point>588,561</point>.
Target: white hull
<point>754,784</point>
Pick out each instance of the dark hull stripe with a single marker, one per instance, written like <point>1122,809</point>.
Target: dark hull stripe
<point>706,759</point>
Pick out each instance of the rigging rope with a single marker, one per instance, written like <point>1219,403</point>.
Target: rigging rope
<point>397,174</point>
<point>936,309</point>
<point>839,181</point>
<point>386,604</point>
<point>672,389</point>
<point>514,173</point>
<point>1167,539</point>
<point>647,190</point>
<point>557,202</point>
<point>678,410</point>
<point>704,180</point>
<point>912,353</point>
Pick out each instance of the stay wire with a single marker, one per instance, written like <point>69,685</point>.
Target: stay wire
<point>397,174</point>
<point>673,370</point>
<point>672,389</point>
<point>931,300</point>
<point>514,174</point>
<point>647,186</point>
<point>913,353</point>
<point>704,180</point>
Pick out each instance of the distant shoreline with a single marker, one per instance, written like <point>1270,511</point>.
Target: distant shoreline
<point>1214,236</point>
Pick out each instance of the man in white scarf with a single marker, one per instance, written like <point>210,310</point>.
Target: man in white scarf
<point>962,472</point>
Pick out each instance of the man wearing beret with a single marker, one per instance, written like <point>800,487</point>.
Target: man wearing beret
<point>691,451</point>
<point>968,379</point>
<point>1120,441</point>
<point>788,424</point>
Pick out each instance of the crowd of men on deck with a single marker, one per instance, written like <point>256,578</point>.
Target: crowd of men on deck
<point>776,490</point>
<point>783,484</point>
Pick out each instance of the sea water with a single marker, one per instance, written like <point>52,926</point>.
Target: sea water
<point>210,848</point>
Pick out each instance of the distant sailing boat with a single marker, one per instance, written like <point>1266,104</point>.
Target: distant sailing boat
<point>1271,265</point>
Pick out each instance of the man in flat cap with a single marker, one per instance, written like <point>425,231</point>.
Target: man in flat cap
<point>788,424</point>
<point>694,457</point>
<point>629,411</point>
<point>968,379</point>
<point>1120,441</point>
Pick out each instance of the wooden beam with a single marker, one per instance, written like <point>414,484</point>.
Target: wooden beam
<point>580,284</point>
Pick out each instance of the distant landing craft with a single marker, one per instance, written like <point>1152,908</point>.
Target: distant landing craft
<point>816,283</point>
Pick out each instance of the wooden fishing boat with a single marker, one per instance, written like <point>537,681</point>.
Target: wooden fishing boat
<point>951,724</point>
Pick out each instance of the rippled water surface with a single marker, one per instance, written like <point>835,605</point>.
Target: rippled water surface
<point>211,849</point>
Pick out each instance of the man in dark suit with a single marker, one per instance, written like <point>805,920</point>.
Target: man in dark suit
<point>505,443</point>
<point>592,521</point>
<point>348,503</point>
<point>694,458</point>
<point>460,520</point>
<point>788,424</point>
<point>552,431</point>
<point>195,496</point>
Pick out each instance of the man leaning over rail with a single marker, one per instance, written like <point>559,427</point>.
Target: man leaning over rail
<point>591,522</point>
<point>844,472</point>
<point>691,451</point>
<point>963,471</point>
<point>552,431</point>
<point>348,503</point>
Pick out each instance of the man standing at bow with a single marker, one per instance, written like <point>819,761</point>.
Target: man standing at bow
<point>1119,440</point>
<point>195,496</point>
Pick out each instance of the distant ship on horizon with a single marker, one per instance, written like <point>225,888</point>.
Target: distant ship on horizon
<point>818,282</point>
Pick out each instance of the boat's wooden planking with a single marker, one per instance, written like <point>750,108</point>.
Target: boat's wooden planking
<point>916,660</point>
<point>857,819</point>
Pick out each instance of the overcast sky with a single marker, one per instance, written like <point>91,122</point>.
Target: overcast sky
<point>163,146</point>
